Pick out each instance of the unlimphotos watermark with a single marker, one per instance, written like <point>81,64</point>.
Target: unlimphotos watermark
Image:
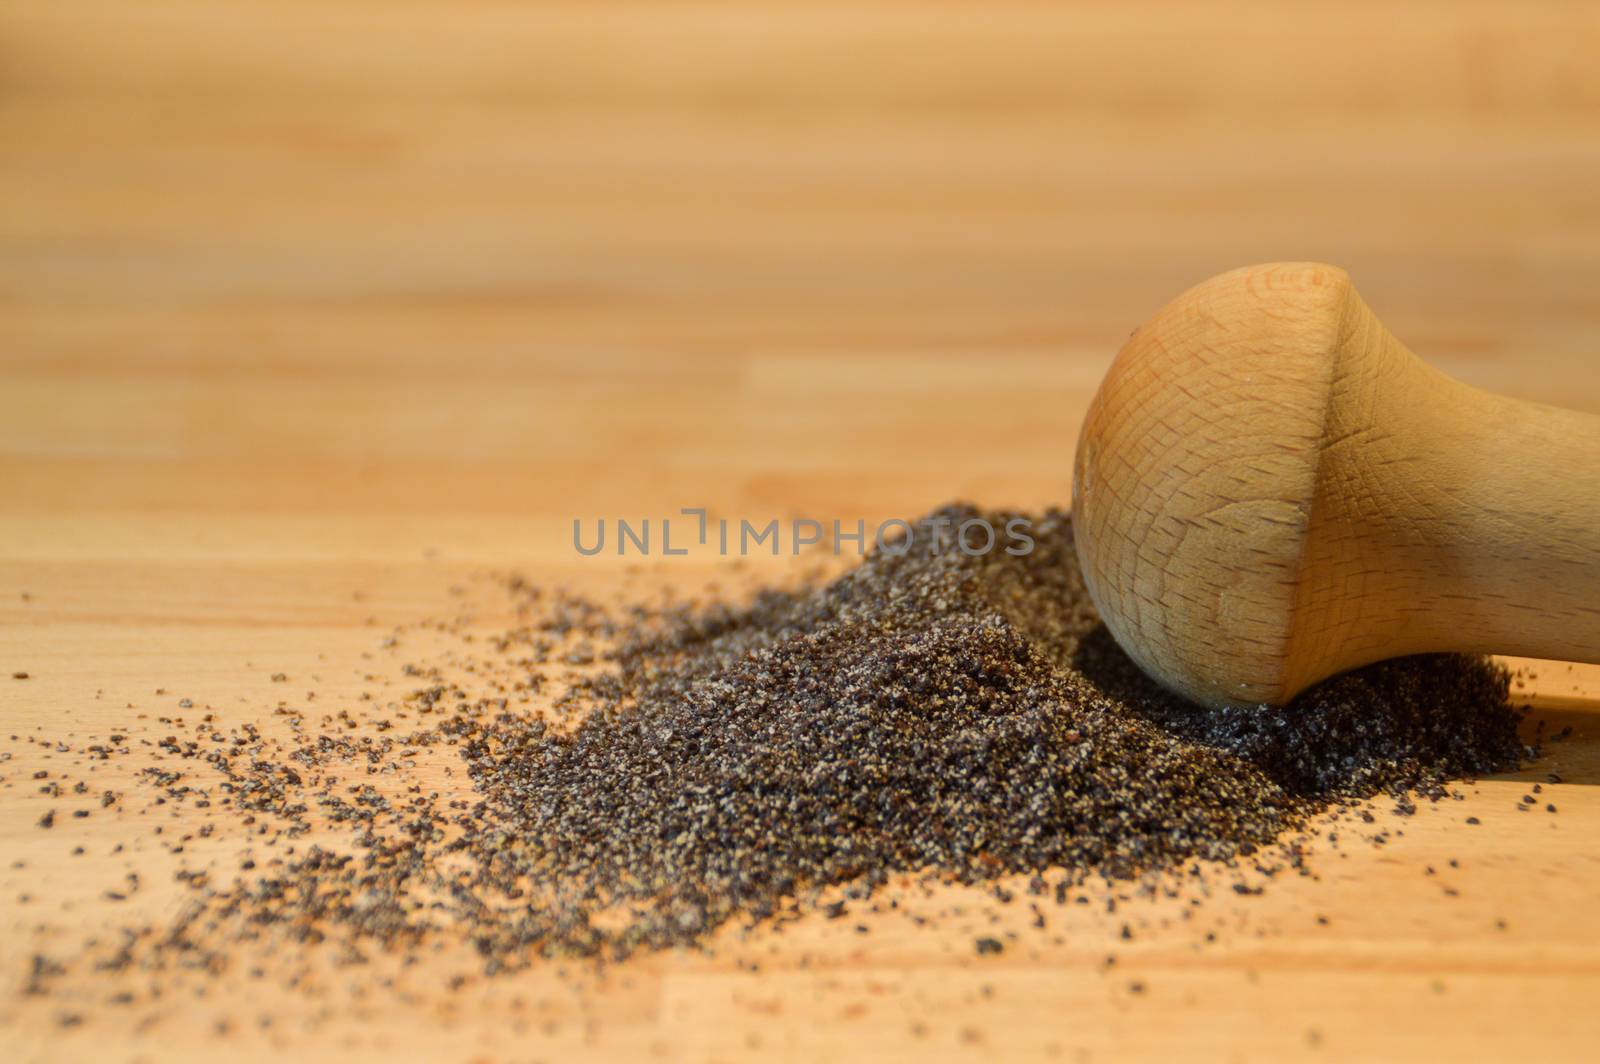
<point>972,536</point>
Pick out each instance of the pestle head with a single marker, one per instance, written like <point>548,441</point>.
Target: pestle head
<point>1196,475</point>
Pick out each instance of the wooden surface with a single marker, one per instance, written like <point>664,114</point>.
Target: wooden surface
<point>309,311</point>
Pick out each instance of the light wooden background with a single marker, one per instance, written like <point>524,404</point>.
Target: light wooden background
<point>304,300</point>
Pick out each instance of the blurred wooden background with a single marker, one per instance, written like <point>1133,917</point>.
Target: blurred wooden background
<point>290,291</point>
<point>319,254</point>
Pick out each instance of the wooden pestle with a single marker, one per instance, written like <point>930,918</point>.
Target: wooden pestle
<point>1270,489</point>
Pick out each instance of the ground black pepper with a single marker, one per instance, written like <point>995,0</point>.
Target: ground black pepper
<point>962,717</point>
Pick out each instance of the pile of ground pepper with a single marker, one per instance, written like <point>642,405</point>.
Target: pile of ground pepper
<point>927,713</point>
<point>967,714</point>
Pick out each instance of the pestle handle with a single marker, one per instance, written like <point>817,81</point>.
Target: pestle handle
<point>1450,518</point>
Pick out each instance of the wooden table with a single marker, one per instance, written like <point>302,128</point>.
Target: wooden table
<point>310,311</point>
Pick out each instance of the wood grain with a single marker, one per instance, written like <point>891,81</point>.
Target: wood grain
<point>1269,489</point>
<point>309,311</point>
